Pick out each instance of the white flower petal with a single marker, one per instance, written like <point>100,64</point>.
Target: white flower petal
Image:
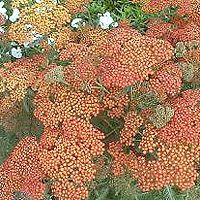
<point>3,11</point>
<point>75,22</point>
<point>15,15</point>
<point>16,11</point>
<point>107,14</point>
<point>51,41</point>
<point>1,4</point>
<point>17,53</point>
<point>2,30</point>
<point>27,44</point>
<point>106,20</point>
<point>115,24</point>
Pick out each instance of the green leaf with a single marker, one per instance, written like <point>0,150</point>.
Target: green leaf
<point>168,193</point>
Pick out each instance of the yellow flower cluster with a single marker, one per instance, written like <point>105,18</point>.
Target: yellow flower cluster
<point>40,18</point>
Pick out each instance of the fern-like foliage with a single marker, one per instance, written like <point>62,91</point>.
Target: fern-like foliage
<point>168,193</point>
<point>125,187</point>
<point>111,127</point>
<point>19,125</point>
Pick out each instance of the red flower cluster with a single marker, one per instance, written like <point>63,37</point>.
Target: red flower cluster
<point>185,124</point>
<point>171,164</point>
<point>131,60</point>
<point>130,129</point>
<point>67,157</point>
<point>21,172</point>
<point>166,81</point>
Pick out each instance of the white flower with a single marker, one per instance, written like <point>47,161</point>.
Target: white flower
<point>36,36</point>
<point>2,30</point>
<point>106,20</point>
<point>115,24</point>
<point>3,10</point>
<point>17,53</point>
<point>51,41</point>
<point>15,15</point>
<point>27,44</point>
<point>13,43</point>
<point>75,22</point>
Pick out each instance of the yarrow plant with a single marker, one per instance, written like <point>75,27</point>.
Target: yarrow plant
<point>99,99</point>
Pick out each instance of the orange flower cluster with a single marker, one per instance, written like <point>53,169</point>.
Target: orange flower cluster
<point>166,81</point>
<point>189,8</point>
<point>49,138</point>
<point>177,29</point>
<point>175,32</point>
<point>42,18</point>
<point>69,161</point>
<point>149,140</point>
<point>172,164</point>
<point>54,104</point>
<point>20,75</point>
<point>195,14</point>
<point>153,6</point>
<point>132,59</point>
<point>186,32</point>
<point>115,103</point>
<point>62,37</point>
<point>130,129</point>
<point>158,29</point>
<point>112,45</point>
<point>2,19</point>
<point>7,109</point>
<point>92,36</point>
<point>124,56</point>
<point>185,124</point>
<point>122,160</point>
<point>15,78</point>
<point>21,172</point>
<point>75,6</point>
<point>83,71</point>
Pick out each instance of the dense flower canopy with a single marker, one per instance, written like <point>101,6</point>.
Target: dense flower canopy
<point>101,98</point>
<point>22,172</point>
